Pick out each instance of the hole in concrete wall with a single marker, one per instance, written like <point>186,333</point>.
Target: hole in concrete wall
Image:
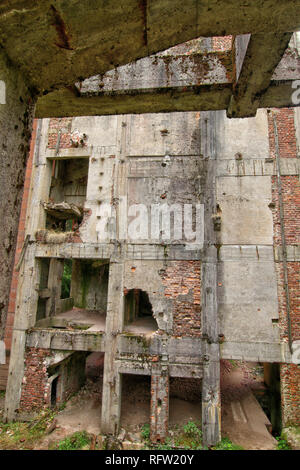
<point>135,405</point>
<point>138,313</point>
<point>67,194</point>
<point>73,294</point>
<point>185,400</point>
<point>77,385</point>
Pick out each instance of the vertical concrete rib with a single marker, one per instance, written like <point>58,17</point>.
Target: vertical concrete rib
<point>112,387</point>
<point>211,406</point>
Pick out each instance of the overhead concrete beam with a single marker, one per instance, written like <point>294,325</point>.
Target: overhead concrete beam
<point>55,43</point>
<point>262,53</point>
<point>167,82</point>
<point>160,83</point>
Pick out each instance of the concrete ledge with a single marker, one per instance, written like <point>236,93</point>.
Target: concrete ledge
<point>292,252</point>
<point>65,340</point>
<point>257,167</point>
<point>256,351</point>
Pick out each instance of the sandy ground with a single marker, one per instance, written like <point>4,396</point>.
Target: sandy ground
<point>242,418</point>
<point>88,317</point>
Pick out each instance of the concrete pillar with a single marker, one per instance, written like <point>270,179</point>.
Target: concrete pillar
<point>56,269</point>
<point>159,417</point>
<point>25,315</point>
<point>16,116</point>
<point>112,387</point>
<point>211,403</point>
<point>211,398</point>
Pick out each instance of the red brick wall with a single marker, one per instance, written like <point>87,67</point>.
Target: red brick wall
<point>35,390</point>
<point>222,43</point>
<point>182,281</point>
<point>290,393</point>
<point>60,124</point>
<point>286,132</point>
<point>291,199</point>
<point>289,373</point>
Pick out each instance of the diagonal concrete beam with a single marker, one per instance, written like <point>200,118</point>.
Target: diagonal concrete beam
<point>257,57</point>
<point>169,82</point>
<point>162,82</point>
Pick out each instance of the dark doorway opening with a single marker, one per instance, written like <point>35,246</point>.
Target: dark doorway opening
<point>54,391</point>
<point>138,312</point>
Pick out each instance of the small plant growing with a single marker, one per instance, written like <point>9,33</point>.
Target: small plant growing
<point>191,429</point>
<point>167,445</point>
<point>282,443</point>
<point>226,444</point>
<point>145,432</point>
<point>74,442</point>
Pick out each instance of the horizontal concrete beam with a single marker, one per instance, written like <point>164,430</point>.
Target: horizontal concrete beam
<point>133,348</point>
<point>256,352</point>
<point>65,340</point>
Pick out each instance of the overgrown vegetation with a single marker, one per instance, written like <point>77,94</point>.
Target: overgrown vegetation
<point>145,432</point>
<point>21,435</point>
<point>226,444</point>
<point>282,443</point>
<point>187,437</point>
<point>76,441</point>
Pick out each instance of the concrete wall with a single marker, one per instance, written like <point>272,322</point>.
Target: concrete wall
<point>225,289</point>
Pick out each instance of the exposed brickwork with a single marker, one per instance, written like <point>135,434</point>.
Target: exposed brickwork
<point>290,393</point>
<point>286,133</point>
<point>291,199</point>
<point>35,390</point>
<point>60,124</point>
<point>182,281</point>
<point>159,415</point>
<point>294,291</point>
<point>289,373</point>
<point>222,43</point>
<point>183,387</point>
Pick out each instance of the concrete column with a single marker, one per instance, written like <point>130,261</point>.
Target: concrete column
<point>56,269</point>
<point>16,116</point>
<point>112,387</point>
<point>25,314</point>
<point>159,417</point>
<point>211,403</point>
<point>211,398</point>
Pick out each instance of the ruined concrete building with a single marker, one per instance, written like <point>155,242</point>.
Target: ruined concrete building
<point>166,240</point>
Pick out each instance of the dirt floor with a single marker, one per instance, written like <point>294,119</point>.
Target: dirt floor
<point>243,421</point>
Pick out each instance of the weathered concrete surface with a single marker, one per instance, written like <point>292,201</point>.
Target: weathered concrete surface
<point>212,160</point>
<point>263,53</point>
<point>244,203</point>
<point>112,379</point>
<point>206,80</point>
<point>54,45</point>
<point>16,123</point>
<point>24,319</point>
